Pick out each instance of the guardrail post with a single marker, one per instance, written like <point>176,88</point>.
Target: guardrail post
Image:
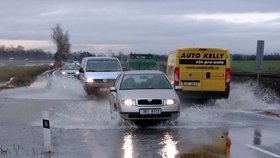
<point>46,130</point>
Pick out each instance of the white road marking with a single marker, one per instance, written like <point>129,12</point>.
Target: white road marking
<point>263,151</point>
<point>95,149</point>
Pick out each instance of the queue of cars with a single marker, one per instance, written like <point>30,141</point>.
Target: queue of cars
<point>135,95</point>
<point>151,94</point>
<point>144,95</point>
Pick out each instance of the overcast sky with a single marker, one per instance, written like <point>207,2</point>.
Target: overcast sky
<point>142,26</point>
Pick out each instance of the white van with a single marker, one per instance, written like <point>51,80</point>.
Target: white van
<point>98,74</point>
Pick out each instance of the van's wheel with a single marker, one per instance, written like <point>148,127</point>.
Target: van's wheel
<point>226,95</point>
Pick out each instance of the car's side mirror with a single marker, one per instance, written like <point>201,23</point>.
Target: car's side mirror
<point>81,70</point>
<point>113,89</point>
<point>178,88</point>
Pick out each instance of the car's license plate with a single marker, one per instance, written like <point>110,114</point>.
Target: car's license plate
<point>190,83</point>
<point>104,89</point>
<point>150,111</point>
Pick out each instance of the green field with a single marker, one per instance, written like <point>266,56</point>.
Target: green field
<point>250,66</point>
<point>10,69</point>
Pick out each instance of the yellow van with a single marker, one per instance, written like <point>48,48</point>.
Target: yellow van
<point>201,72</point>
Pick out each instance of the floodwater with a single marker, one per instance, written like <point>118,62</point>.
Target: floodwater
<point>82,126</point>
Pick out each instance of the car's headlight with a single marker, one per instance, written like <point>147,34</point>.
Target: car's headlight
<point>90,80</point>
<point>170,101</point>
<point>129,102</point>
<point>77,73</point>
<point>63,72</point>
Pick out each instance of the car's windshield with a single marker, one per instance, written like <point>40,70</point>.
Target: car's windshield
<point>103,66</point>
<point>70,67</point>
<point>145,81</point>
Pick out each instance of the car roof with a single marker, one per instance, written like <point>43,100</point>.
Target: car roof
<point>98,58</point>
<point>143,72</point>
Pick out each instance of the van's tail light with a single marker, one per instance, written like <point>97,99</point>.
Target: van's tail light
<point>228,144</point>
<point>176,76</point>
<point>227,75</point>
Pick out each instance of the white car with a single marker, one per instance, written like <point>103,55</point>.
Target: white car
<point>144,95</point>
<point>98,74</point>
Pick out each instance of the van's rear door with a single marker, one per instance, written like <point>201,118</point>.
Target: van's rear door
<point>203,69</point>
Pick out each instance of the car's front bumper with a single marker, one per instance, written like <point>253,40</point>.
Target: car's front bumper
<point>138,116</point>
<point>133,112</point>
<point>94,88</point>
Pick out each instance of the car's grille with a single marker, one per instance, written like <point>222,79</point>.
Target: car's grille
<point>104,80</point>
<point>149,116</point>
<point>149,102</point>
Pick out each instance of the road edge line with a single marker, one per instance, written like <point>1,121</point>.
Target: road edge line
<point>263,150</point>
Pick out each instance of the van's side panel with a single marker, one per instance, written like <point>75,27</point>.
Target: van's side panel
<point>201,70</point>
<point>206,67</point>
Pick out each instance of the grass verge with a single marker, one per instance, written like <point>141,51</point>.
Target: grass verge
<point>23,76</point>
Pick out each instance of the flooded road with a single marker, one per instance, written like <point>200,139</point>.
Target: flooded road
<point>82,126</point>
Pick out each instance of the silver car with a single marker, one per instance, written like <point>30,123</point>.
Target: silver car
<point>140,95</point>
<point>98,74</point>
<point>70,69</point>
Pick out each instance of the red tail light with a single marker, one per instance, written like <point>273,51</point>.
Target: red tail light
<point>227,75</point>
<point>228,144</point>
<point>176,76</point>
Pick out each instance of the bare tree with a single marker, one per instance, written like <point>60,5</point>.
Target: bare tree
<point>61,39</point>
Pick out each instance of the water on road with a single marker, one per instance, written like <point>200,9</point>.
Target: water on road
<point>82,125</point>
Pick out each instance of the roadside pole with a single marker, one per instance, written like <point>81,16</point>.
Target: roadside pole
<point>259,58</point>
<point>47,133</point>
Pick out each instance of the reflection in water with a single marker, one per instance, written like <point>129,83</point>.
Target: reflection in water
<point>127,145</point>
<point>196,143</point>
<point>169,149</point>
<point>204,143</point>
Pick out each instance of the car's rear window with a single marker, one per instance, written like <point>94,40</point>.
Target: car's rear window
<point>144,81</point>
<point>103,66</point>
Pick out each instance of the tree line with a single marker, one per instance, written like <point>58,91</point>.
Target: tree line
<point>19,53</point>
<point>272,56</point>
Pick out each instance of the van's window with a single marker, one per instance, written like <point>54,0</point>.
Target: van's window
<point>103,66</point>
